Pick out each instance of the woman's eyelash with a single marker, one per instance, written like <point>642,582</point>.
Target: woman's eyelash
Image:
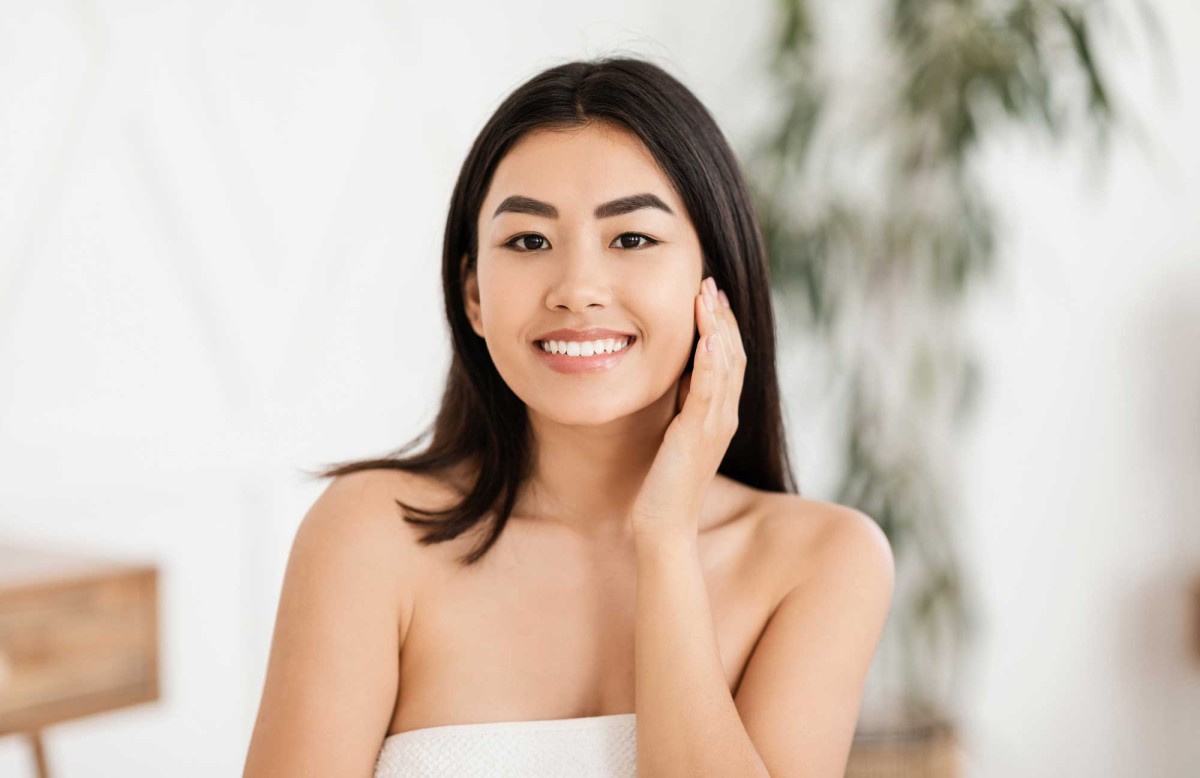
<point>647,241</point>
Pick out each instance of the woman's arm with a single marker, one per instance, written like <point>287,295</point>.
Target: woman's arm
<point>687,723</point>
<point>797,705</point>
<point>802,689</point>
<point>332,677</point>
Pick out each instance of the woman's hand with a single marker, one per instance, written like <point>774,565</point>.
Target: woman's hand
<point>696,440</point>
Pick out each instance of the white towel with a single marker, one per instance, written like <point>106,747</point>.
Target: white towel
<point>587,747</point>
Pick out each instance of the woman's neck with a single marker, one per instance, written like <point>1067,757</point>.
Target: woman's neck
<point>588,476</point>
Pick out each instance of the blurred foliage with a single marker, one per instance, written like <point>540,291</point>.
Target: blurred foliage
<point>876,258</point>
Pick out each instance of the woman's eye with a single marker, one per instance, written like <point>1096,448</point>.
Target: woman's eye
<point>647,240</point>
<point>522,238</point>
<point>522,242</point>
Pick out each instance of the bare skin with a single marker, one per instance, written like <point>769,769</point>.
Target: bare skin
<point>542,626</point>
<point>634,270</point>
<point>374,628</point>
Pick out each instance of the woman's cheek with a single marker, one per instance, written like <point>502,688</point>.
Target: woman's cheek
<point>676,345</point>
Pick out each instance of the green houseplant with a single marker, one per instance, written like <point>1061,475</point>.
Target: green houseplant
<point>875,259</point>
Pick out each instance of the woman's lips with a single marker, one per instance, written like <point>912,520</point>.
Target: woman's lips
<point>596,363</point>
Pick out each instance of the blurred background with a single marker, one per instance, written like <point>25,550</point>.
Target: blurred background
<point>220,235</point>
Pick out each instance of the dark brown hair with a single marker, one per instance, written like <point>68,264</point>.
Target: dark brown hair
<point>481,422</point>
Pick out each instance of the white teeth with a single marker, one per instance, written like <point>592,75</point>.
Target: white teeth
<point>585,348</point>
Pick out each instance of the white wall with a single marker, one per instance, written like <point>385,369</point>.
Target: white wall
<point>1082,472</point>
<point>219,243</point>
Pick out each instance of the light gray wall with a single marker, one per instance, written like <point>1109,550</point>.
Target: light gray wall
<point>219,242</point>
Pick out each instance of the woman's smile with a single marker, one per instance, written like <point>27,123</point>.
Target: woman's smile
<point>589,356</point>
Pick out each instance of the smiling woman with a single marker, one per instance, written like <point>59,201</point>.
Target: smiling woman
<point>536,239</point>
<point>612,571</point>
<point>584,259</point>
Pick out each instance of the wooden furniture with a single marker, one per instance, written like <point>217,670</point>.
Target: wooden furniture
<point>895,744</point>
<point>78,636</point>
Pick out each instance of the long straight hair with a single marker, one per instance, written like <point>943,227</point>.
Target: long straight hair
<point>481,422</point>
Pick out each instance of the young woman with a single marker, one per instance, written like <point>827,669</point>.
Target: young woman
<point>600,563</point>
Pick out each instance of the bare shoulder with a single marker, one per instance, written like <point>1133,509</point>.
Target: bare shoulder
<point>366,506</point>
<point>372,501</point>
<point>332,673</point>
<point>809,538</point>
<point>834,595</point>
<point>362,504</point>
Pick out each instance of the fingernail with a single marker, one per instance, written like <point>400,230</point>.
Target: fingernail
<point>724,299</point>
<point>711,285</point>
<point>708,303</point>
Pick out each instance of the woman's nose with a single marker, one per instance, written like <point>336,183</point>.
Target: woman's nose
<point>582,280</point>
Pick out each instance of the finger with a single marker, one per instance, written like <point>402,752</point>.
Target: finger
<point>713,308</point>
<point>707,372</point>
<point>681,396</point>
<point>734,344</point>
<point>736,347</point>
<point>716,354</point>
<point>727,408</point>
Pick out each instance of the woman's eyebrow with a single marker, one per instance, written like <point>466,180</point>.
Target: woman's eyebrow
<point>622,205</point>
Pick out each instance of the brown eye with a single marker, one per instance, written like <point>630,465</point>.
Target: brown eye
<point>531,241</point>
<point>646,240</point>
<point>521,239</point>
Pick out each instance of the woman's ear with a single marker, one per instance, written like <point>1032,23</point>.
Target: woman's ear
<point>471,296</point>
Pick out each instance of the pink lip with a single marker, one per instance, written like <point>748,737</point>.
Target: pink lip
<point>591,333</point>
<point>594,364</point>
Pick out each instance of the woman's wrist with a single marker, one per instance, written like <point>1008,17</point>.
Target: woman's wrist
<point>658,537</point>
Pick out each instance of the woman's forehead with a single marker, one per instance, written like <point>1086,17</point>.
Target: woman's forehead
<point>578,169</point>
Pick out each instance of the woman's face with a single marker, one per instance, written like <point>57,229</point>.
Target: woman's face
<point>557,263</point>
